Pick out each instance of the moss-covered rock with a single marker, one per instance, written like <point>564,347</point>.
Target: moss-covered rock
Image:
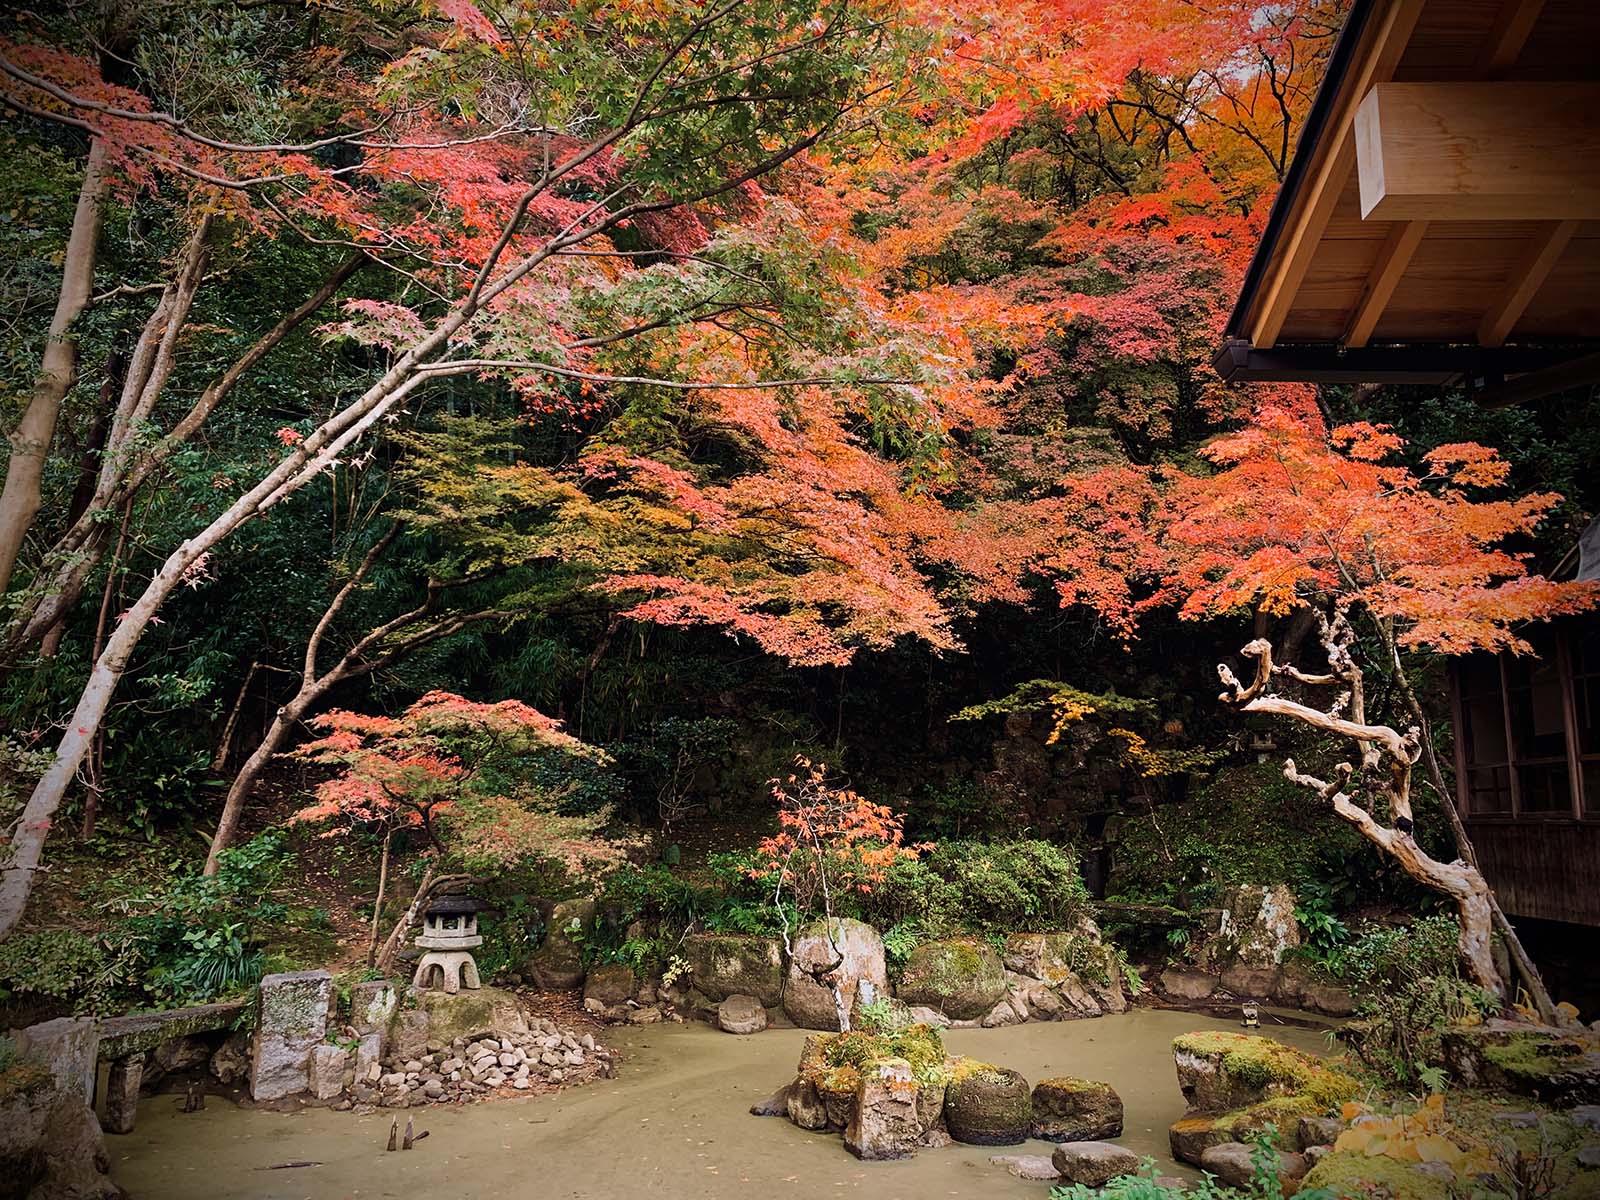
<point>1361,1175</point>
<point>962,978</point>
<point>468,1013</point>
<point>557,965</point>
<point>1220,1072</point>
<point>1191,1137</point>
<point>991,1107</point>
<point>1076,1110</point>
<point>1556,1066</point>
<point>731,964</point>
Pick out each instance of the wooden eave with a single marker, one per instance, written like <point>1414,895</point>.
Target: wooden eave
<point>1440,219</point>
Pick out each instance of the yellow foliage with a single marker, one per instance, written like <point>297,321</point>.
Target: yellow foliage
<point>1423,1136</point>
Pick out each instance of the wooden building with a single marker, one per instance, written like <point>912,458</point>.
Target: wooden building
<point>1440,224</point>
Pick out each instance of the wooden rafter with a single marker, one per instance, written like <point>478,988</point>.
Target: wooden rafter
<point>1524,281</point>
<point>1388,43</point>
<point>1512,25</point>
<point>1393,258</point>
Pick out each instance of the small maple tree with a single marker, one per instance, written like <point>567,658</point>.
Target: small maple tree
<point>831,841</point>
<point>457,771</point>
<point>1298,517</point>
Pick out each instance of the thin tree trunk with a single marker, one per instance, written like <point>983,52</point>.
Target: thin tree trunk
<point>78,550</point>
<point>20,498</point>
<point>96,781</point>
<point>377,904</point>
<point>244,783</point>
<point>1532,980</point>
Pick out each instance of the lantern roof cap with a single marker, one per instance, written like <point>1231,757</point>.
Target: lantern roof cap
<point>452,904</point>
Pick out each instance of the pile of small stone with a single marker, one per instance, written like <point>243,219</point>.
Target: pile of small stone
<point>472,1068</point>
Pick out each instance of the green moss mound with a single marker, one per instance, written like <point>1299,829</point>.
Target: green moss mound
<point>962,977</point>
<point>919,1045</point>
<point>1358,1176</point>
<point>1260,1063</point>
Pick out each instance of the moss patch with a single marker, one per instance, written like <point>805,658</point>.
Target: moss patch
<point>1258,1062</point>
<point>919,1045</point>
<point>1359,1176</point>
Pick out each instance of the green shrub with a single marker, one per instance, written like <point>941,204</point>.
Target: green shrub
<point>1407,979</point>
<point>1005,886</point>
<point>88,973</point>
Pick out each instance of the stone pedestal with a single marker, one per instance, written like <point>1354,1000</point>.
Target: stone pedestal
<point>292,1022</point>
<point>122,1093</point>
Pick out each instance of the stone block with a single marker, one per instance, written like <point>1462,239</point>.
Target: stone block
<point>741,1014</point>
<point>885,1123</point>
<point>325,1070</point>
<point>68,1047</point>
<point>1093,1164</point>
<point>122,1093</point>
<point>372,1006</point>
<point>293,1020</point>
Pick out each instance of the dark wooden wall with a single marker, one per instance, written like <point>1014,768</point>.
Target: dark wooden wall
<point>1544,869</point>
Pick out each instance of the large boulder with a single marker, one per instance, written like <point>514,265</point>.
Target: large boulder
<point>1184,983</point>
<point>741,1014</point>
<point>372,1005</point>
<point>1552,1065</point>
<point>557,965</point>
<point>1093,1164</point>
<point>1220,1072</point>
<point>730,964</point>
<point>859,972</point>
<point>467,1014</point>
<point>293,1020</point>
<point>991,1106</point>
<point>610,986</point>
<point>885,1123</point>
<point>1076,1110</point>
<point>1257,926</point>
<point>1080,968</point>
<point>962,978</point>
<point>51,1147</point>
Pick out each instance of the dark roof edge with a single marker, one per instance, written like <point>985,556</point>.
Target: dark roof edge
<point>1338,64</point>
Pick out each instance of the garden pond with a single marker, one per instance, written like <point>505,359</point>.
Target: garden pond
<point>673,1122</point>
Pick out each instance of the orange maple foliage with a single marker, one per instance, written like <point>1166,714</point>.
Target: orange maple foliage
<point>447,767</point>
<point>832,840</point>
<point>1296,514</point>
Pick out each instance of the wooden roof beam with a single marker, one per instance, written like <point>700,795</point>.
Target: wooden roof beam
<point>1512,25</point>
<point>1393,258</point>
<point>1479,152</point>
<point>1526,278</point>
<point>1315,203</point>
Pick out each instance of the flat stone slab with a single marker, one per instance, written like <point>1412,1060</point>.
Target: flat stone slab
<point>1028,1166</point>
<point>139,1032</point>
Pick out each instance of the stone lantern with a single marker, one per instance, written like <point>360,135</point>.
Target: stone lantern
<point>449,935</point>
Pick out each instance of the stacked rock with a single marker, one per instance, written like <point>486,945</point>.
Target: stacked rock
<point>472,1068</point>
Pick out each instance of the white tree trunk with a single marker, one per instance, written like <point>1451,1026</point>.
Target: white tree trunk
<point>30,441</point>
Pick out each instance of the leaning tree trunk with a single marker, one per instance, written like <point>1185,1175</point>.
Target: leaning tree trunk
<point>30,440</point>
<point>1387,758</point>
